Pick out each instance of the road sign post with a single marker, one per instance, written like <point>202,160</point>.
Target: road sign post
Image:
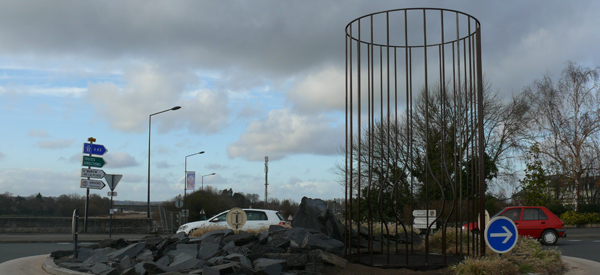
<point>501,234</point>
<point>236,218</point>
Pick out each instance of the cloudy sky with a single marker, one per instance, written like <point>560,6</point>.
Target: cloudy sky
<point>253,78</point>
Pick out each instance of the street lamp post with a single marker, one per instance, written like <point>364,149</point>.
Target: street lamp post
<point>201,198</point>
<point>212,174</point>
<point>185,185</point>
<point>150,131</point>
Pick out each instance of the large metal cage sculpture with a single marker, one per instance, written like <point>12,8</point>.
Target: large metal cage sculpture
<point>414,135</point>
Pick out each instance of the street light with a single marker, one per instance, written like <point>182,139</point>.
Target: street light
<point>150,131</point>
<point>185,184</point>
<point>201,198</point>
<point>203,179</point>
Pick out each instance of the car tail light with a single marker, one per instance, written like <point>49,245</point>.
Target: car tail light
<point>282,223</point>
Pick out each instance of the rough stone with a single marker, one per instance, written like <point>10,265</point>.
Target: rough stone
<point>270,265</point>
<point>185,261</point>
<point>84,253</point>
<point>132,250</point>
<point>208,251</point>
<point>329,258</point>
<point>293,260</point>
<point>263,263</point>
<point>219,269</point>
<point>126,263</point>
<point>152,240</point>
<point>314,214</point>
<point>145,255</point>
<point>312,241</point>
<point>129,271</point>
<point>259,250</point>
<point>243,260</point>
<point>103,269</point>
<point>116,244</point>
<point>99,255</point>
<point>239,239</point>
<point>165,260</point>
<point>237,250</point>
<point>263,237</point>
<point>154,268</point>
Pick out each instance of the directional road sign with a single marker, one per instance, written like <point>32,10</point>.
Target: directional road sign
<point>424,213</point>
<point>92,173</point>
<point>96,149</point>
<point>112,181</point>
<point>501,234</point>
<point>93,161</point>
<point>92,184</point>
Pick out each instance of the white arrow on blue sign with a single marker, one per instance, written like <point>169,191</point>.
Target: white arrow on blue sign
<point>96,149</point>
<point>501,234</point>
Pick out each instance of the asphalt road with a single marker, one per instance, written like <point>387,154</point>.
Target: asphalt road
<point>10,251</point>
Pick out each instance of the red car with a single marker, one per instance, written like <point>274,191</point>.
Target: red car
<point>533,221</point>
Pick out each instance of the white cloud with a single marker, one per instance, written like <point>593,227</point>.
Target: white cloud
<point>321,189</point>
<point>283,133</point>
<point>33,180</point>
<point>55,144</point>
<point>320,91</point>
<point>150,91</point>
<point>119,160</point>
<point>38,133</point>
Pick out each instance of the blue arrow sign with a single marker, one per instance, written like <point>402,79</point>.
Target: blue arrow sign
<point>96,149</point>
<point>501,234</point>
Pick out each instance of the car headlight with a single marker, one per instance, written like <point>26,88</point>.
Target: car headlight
<point>183,227</point>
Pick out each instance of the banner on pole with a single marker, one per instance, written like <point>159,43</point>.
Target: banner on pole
<point>190,179</point>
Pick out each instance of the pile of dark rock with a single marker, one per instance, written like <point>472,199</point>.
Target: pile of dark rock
<point>276,251</point>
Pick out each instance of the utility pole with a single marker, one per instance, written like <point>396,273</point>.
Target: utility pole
<point>266,180</point>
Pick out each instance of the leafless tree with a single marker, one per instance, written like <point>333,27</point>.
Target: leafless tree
<point>565,123</point>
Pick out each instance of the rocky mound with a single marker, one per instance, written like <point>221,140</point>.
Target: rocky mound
<point>276,251</point>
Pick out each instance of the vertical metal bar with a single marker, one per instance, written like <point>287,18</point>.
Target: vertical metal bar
<point>347,244</point>
<point>481,137</point>
<point>426,135</point>
<point>359,127</point>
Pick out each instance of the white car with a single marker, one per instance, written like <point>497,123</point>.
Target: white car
<point>257,218</point>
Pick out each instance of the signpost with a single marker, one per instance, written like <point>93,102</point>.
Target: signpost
<point>421,217</point>
<point>92,184</point>
<point>96,149</point>
<point>236,218</point>
<point>93,161</point>
<point>92,173</point>
<point>501,234</point>
<point>112,181</point>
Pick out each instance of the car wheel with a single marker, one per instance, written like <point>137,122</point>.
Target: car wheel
<point>549,237</point>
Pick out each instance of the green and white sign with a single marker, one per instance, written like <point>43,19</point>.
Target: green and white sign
<point>93,161</point>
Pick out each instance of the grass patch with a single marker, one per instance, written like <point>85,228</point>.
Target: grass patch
<point>526,257</point>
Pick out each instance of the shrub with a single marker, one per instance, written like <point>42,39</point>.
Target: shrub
<point>588,208</point>
<point>574,218</point>
<point>526,257</point>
